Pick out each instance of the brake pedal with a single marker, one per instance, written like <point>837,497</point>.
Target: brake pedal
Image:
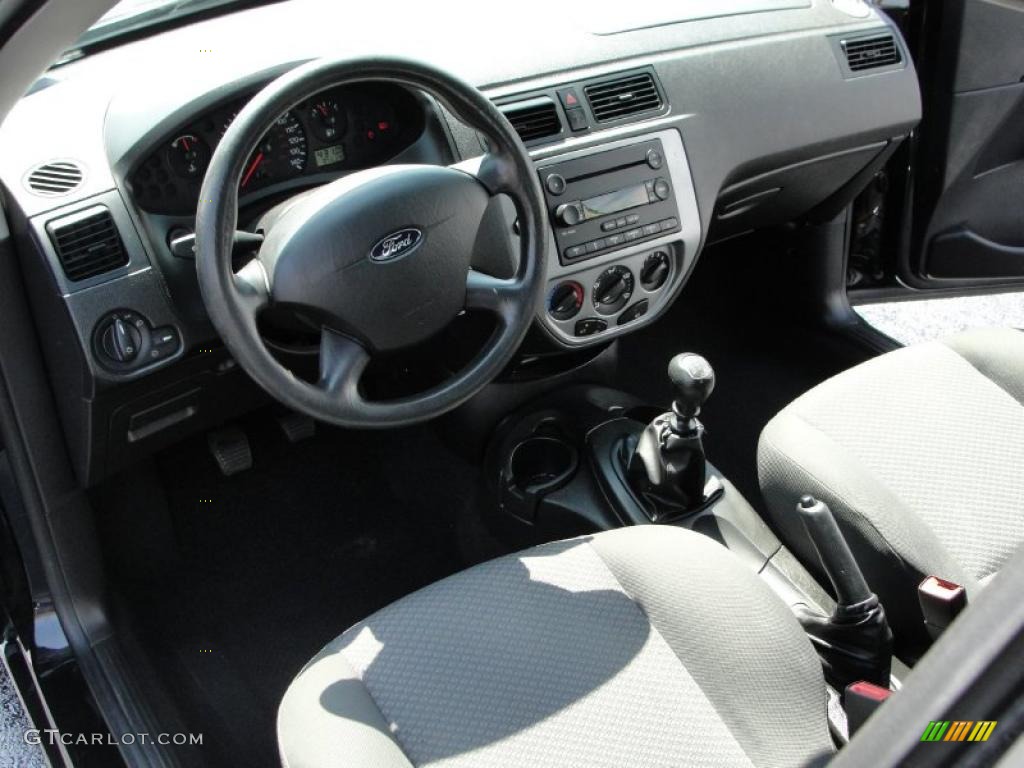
<point>231,450</point>
<point>296,426</point>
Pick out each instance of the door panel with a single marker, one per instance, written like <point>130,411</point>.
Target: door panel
<point>968,224</point>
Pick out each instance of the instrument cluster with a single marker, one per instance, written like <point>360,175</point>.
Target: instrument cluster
<point>341,129</point>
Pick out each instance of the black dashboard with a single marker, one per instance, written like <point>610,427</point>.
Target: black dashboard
<point>339,130</point>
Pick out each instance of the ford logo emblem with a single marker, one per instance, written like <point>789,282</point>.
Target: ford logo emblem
<point>400,243</point>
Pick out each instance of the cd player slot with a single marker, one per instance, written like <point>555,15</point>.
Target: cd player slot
<point>604,171</point>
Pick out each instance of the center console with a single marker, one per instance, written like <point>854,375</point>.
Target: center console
<point>626,230</point>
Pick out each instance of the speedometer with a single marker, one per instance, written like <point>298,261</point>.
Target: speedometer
<point>281,154</point>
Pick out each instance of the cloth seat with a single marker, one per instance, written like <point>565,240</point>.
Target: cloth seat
<point>920,454</point>
<point>644,646</point>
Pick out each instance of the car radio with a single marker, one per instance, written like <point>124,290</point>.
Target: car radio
<point>607,200</point>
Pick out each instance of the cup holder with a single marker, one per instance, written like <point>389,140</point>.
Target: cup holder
<point>537,466</point>
<point>540,464</point>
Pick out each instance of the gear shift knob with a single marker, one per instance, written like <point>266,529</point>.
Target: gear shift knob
<point>694,379</point>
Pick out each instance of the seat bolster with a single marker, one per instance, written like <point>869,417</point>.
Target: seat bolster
<point>327,716</point>
<point>739,642</point>
<point>997,353</point>
<point>895,548</point>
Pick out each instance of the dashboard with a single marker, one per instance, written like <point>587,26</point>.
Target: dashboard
<point>339,130</point>
<point>736,120</point>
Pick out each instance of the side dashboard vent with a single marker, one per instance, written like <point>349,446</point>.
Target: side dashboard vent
<point>533,119</point>
<point>624,96</point>
<point>55,178</point>
<point>87,243</point>
<point>871,52</point>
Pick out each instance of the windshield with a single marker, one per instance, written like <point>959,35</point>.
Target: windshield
<point>132,16</point>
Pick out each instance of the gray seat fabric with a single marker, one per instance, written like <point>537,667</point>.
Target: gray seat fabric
<point>920,454</point>
<point>646,646</point>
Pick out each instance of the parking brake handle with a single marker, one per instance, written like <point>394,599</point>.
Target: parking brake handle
<point>855,642</point>
<point>833,551</point>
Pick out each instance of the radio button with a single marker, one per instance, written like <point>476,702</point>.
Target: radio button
<point>633,218</point>
<point>661,189</point>
<point>613,240</point>
<point>655,159</point>
<point>608,226</point>
<point>555,183</point>
<point>651,229</point>
<point>594,246</point>
<point>668,224</point>
<point>575,251</point>
<point>634,234</point>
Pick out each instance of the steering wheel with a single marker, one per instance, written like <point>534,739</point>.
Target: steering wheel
<point>379,258</point>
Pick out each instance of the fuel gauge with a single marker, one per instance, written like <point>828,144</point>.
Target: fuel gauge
<point>327,119</point>
<point>188,155</point>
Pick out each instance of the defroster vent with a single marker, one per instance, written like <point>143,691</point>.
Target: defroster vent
<point>87,243</point>
<point>623,96</point>
<point>54,178</point>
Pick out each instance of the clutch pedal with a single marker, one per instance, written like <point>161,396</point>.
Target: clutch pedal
<point>231,450</point>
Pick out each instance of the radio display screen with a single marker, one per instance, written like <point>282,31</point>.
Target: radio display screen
<point>613,202</point>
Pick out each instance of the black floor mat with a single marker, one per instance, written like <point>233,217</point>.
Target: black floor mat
<point>278,560</point>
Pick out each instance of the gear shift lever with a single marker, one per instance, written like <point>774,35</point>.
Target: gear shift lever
<point>694,380</point>
<point>668,467</point>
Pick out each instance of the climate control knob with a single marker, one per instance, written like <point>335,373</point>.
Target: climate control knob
<point>613,289</point>
<point>655,271</point>
<point>565,300</point>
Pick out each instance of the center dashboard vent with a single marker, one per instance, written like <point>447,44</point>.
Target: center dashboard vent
<point>54,178</point>
<point>533,119</point>
<point>623,96</point>
<point>871,52</point>
<point>87,243</point>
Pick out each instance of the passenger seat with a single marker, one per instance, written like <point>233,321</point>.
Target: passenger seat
<point>920,455</point>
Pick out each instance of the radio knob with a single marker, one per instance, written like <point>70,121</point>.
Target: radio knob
<point>662,189</point>
<point>555,182</point>
<point>569,214</point>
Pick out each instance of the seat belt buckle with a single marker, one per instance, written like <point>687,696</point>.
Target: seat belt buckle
<point>941,602</point>
<point>860,699</point>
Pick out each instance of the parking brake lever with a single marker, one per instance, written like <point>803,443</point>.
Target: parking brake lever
<point>855,642</point>
<point>834,553</point>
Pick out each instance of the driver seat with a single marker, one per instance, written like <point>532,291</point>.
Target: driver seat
<point>643,646</point>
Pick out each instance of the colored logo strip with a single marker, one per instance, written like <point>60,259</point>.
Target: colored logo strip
<point>958,730</point>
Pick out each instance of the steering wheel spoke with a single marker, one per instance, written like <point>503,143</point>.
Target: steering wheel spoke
<point>252,286</point>
<point>496,172</point>
<point>342,362</point>
<point>501,296</point>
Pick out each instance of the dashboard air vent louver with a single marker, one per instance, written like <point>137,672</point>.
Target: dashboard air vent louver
<point>54,178</point>
<point>87,243</point>
<point>624,96</point>
<point>871,52</point>
<point>533,119</point>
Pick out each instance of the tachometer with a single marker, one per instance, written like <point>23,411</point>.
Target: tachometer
<point>281,154</point>
<point>188,155</point>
